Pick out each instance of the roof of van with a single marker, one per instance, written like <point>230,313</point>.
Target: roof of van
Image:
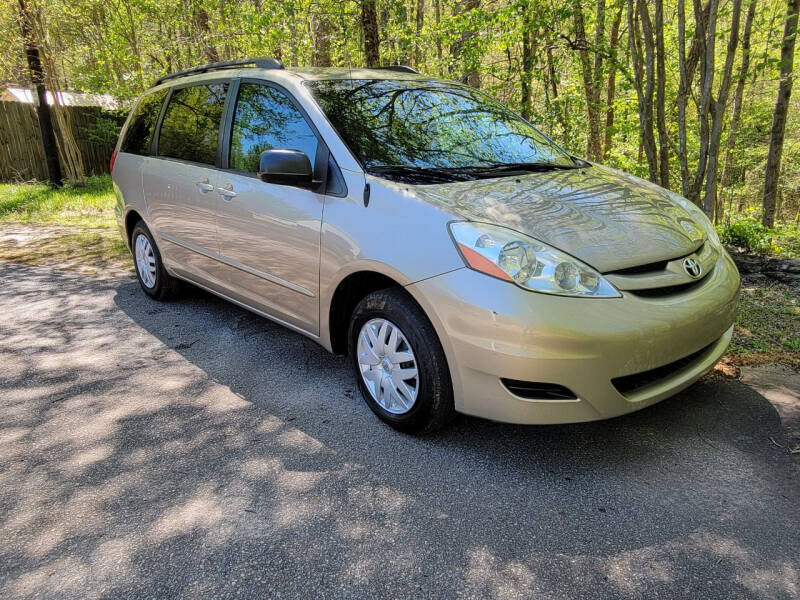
<point>272,66</point>
<point>314,73</point>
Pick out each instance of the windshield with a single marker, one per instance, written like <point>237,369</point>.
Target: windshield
<point>395,126</point>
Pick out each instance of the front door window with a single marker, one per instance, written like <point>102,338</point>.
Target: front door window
<point>265,119</point>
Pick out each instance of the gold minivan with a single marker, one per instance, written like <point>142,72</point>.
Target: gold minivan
<point>462,259</point>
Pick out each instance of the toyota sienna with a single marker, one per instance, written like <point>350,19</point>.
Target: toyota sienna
<point>463,260</point>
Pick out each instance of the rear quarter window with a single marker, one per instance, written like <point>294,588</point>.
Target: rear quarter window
<point>139,133</point>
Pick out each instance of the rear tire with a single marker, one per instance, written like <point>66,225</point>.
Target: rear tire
<point>403,377</point>
<point>150,271</point>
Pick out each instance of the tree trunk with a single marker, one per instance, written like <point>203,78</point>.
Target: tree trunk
<point>683,93</point>
<point>553,87</point>
<point>134,42</point>
<point>612,82</point>
<point>70,156</point>
<point>706,87</point>
<point>526,78</point>
<point>322,38</point>
<point>405,50</point>
<point>437,8</point>
<point>204,31</point>
<point>420,21</point>
<point>648,36</point>
<point>597,74</point>
<point>551,70</point>
<point>718,112</point>
<point>687,66</point>
<point>661,118</point>
<point>779,118</point>
<point>644,92</point>
<point>462,49</point>
<point>42,112</point>
<point>594,146</point>
<point>737,106</point>
<point>369,23</point>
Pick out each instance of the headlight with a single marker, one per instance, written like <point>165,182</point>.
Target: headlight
<point>529,263</point>
<point>698,216</point>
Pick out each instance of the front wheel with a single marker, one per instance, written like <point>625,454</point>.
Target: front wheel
<point>399,363</point>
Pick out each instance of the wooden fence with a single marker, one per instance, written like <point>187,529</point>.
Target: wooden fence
<point>21,156</point>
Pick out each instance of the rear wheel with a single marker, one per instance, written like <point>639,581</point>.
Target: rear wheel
<point>150,271</point>
<point>399,363</point>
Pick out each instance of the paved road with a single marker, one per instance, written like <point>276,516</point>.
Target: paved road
<point>191,450</point>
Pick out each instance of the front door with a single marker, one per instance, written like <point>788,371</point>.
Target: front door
<point>270,234</point>
<point>181,182</point>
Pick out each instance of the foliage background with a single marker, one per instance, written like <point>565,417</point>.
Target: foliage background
<point>121,46</point>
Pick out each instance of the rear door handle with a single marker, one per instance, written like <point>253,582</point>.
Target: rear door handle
<point>227,192</point>
<point>205,186</point>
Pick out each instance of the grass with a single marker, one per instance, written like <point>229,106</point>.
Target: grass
<point>90,205</point>
<point>767,326</point>
<point>76,224</point>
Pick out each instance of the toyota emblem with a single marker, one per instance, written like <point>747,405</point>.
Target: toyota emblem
<point>692,268</point>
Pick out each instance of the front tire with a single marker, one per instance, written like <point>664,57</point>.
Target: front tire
<point>150,271</point>
<point>399,363</point>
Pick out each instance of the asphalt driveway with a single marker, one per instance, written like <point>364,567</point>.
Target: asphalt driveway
<point>191,449</point>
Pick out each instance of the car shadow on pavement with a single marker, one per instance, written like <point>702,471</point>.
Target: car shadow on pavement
<point>193,449</point>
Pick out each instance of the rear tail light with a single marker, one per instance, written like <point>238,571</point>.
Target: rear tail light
<point>113,160</point>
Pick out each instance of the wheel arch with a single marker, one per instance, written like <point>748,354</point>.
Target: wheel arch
<point>132,217</point>
<point>348,293</point>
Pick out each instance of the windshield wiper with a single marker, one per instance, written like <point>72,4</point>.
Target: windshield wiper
<point>415,174</point>
<point>517,167</point>
<point>412,174</point>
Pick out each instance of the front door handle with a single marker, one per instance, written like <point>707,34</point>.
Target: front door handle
<point>227,192</point>
<point>205,186</point>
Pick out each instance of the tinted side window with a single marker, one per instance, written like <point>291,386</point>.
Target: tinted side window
<point>264,119</point>
<point>190,128</point>
<point>143,122</point>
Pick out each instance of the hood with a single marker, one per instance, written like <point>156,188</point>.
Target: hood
<point>608,219</point>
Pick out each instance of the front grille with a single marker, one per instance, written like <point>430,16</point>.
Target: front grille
<point>669,290</point>
<point>639,269</point>
<point>632,383</point>
<point>533,390</point>
<point>653,267</point>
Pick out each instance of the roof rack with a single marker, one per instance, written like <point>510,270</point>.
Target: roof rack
<point>398,68</point>
<point>261,62</point>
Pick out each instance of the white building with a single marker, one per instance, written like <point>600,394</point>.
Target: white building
<point>27,96</point>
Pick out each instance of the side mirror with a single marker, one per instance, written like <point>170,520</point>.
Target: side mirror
<point>286,167</point>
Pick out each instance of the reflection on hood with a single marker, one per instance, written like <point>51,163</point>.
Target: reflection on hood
<point>608,219</point>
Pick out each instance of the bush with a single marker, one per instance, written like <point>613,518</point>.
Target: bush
<point>747,232</point>
<point>104,128</point>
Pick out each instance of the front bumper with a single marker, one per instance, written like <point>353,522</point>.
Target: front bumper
<point>491,330</point>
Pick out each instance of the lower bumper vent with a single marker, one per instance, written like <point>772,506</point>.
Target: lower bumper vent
<point>632,383</point>
<point>533,390</point>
